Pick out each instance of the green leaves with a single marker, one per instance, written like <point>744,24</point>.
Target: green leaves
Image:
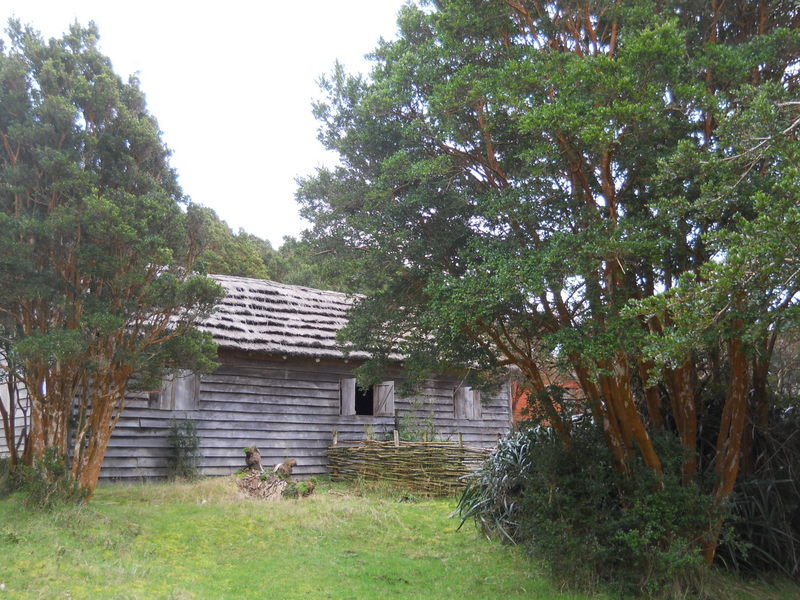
<point>526,173</point>
<point>53,346</point>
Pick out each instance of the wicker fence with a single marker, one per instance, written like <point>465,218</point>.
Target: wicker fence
<point>427,467</point>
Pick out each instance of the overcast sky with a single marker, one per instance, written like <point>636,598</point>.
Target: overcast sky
<point>231,84</point>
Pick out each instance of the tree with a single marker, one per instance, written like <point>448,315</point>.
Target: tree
<point>297,263</point>
<point>97,288</point>
<point>520,179</point>
<point>229,253</point>
<point>247,255</point>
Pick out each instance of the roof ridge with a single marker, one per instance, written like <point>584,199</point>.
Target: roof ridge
<point>277,284</point>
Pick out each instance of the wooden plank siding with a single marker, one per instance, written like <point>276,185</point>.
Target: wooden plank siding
<point>288,407</point>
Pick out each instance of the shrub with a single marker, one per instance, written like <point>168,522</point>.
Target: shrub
<point>413,428</point>
<point>184,447</point>
<point>586,521</point>
<point>297,489</point>
<point>49,483</point>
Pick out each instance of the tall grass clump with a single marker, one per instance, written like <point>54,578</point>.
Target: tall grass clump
<point>587,522</point>
<point>492,495</point>
<point>765,505</point>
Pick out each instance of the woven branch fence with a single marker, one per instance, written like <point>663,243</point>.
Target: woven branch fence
<point>427,467</point>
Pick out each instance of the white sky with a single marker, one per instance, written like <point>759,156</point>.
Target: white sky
<point>231,84</point>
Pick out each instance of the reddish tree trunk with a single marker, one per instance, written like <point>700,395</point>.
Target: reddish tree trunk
<point>729,441</point>
<point>631,419</point>
<point>652,396</point>
<point>100,407</point>
<point>680,383</point>
<point>600,411</point>
<point>48,429</point>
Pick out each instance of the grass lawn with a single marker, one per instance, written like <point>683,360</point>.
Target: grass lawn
<point>202,540</point>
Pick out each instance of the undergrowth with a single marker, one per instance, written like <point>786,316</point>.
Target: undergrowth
<point>765,505</point>
<point>589,524</point>
<point>48,483</point>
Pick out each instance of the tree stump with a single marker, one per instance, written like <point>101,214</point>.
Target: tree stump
<point>252,459</point>
<point>265,486</point>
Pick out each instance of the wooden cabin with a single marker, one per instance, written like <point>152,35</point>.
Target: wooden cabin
<point>285,386</point>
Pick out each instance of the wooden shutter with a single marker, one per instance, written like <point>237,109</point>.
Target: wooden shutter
<point>467,403</point>
<point>185,388</point>
<point>383,395</point>
<point>477,409</point>
<point>347,396</point>
<point>461,403</point>
<point>166,397</point>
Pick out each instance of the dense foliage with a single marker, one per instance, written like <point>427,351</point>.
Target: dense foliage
<point>589,524</point>
<point>226,252</point>
<point>247,255</point>
<point>586,520</point>
<point>608,190</point>
<point>97,256</point>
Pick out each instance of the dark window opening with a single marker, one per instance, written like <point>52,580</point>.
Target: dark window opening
<point>364,401</point>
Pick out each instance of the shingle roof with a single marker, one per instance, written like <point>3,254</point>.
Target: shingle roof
<point>268,317</point>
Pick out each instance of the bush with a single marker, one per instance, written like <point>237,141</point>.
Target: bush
<point>299,489</point>
<point>184,447</point>
<point>413,428</point>
<point>586,521</point>
<point>49,483</point>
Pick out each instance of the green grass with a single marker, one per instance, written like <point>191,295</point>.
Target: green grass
<point>203,540</point>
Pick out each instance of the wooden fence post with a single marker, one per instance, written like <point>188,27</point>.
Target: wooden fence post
<point>335,438</point>
<point>460,440</point>
<point>396,438</point>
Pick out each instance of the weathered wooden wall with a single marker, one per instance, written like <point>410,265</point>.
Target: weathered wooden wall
<point>288,408</point>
